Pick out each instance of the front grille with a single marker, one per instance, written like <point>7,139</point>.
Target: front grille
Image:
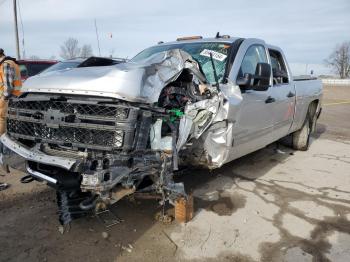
<point>73,108</point>
<point>73,123</point>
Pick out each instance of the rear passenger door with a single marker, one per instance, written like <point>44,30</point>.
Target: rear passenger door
<point>284,94</point>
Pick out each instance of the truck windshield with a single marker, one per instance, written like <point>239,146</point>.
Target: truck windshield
<point>200,52</point>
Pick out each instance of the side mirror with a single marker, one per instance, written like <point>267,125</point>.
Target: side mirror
<point>262,77</point>
<point>245,81</point>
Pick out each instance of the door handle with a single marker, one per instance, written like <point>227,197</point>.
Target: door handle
<point>270,100</point>
<point>291,94</point>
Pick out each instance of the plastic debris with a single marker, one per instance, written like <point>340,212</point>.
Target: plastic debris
<point>128,249</point>
<point>105,235</point>
<point>4,186</point>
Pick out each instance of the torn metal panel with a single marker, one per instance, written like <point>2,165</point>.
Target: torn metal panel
<point>36,155</point>
<point>198,116</point>
<point>233,99</point>
<point>210,121</point>
<point>217,144</point>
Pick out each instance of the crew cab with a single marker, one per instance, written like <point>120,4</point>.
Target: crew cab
<point>98,134</point>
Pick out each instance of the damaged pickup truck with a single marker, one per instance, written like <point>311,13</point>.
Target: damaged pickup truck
<point>99,134</point>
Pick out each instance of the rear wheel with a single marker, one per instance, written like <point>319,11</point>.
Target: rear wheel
<point>301,138</point>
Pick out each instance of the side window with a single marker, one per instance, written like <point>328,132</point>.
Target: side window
<point>254,55</point>
<point>279,69</point>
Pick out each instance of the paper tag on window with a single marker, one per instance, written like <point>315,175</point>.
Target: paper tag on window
<point>216,55</point>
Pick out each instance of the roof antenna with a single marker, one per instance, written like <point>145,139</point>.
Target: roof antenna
<point>217,35</point>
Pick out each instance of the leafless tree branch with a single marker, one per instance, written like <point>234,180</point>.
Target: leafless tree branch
<point>70,48</point>
<point>339,60</point>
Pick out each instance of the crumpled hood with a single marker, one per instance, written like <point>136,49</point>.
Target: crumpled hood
<point>135,82</point>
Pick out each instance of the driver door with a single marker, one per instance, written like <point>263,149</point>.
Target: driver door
<point>254,126</point>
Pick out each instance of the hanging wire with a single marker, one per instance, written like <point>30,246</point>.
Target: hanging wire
<point>20,19</point>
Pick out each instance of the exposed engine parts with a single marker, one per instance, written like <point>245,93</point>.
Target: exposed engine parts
<point>186,89</point>
<point>73,205</point>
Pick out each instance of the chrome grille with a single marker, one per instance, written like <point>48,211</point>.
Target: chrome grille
<point>76,124</point>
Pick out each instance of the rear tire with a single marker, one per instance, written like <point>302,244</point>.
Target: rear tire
<point>301,138</point>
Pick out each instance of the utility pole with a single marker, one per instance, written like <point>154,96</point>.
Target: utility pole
<point>16,29</point>
<point>98,40</point>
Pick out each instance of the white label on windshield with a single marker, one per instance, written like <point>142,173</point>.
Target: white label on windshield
<point>216,55</point>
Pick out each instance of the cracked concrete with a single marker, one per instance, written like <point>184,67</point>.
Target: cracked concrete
<point>286,209</point>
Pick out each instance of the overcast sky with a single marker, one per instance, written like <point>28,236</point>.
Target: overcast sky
<point>306,30</point>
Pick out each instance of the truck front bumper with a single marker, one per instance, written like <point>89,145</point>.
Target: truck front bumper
<point>33,154</point>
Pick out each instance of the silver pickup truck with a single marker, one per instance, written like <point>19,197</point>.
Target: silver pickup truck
<point>99,134</point>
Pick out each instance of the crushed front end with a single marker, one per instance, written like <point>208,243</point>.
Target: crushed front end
<point>93,149</point>
<point>98,146</point>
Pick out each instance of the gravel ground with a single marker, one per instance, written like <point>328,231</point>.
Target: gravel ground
<point>267,206</point>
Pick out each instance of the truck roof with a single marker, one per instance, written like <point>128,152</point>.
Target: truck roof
<point>229,40</point>
<point>203,40</point>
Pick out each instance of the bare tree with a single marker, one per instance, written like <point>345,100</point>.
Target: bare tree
<point>86,51</point>
<point>339,60</point>
<point>70,48</point>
